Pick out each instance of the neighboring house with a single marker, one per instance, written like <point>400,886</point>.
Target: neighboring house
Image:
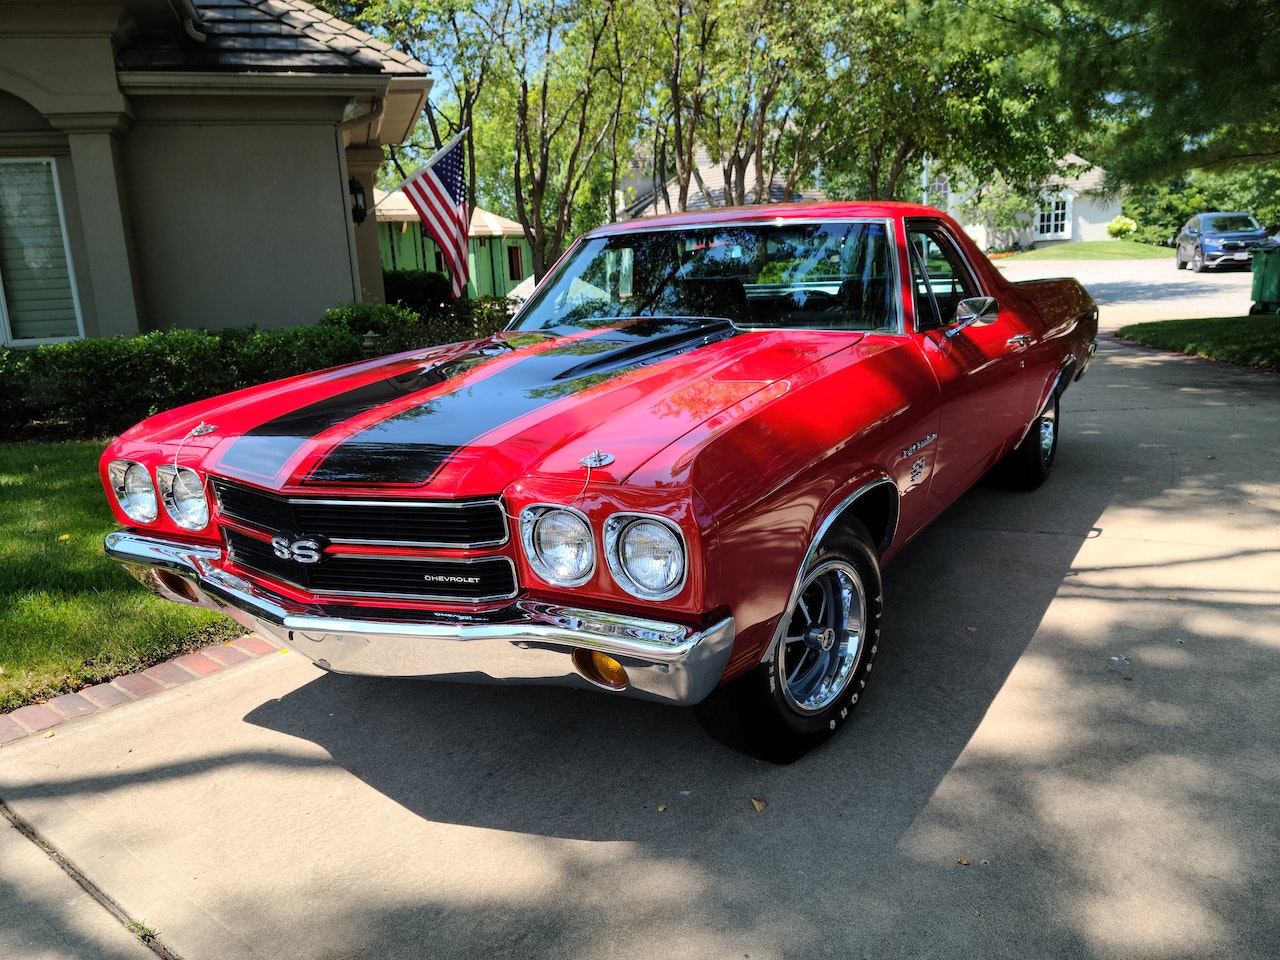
<point>188,163</point>
<point>1072,207</point>
<point>500,255</point>
<point>652,203</point>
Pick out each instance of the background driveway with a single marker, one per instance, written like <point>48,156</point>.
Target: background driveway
<point>1134,291</point>
<point>1069,751</point>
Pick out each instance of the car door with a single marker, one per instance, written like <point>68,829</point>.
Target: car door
<point>979,366</point>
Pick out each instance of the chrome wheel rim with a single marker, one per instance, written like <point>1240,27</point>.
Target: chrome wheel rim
<point>823,642</point>
<point>1048,435</point>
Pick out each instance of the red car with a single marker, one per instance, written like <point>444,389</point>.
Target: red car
<point>676,475</point>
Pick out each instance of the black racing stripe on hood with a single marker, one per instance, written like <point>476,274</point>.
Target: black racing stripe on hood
<point>410,447</point>
<point>261,453</point>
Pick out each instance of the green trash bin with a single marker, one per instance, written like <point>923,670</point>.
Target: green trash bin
<point>1266,280</point>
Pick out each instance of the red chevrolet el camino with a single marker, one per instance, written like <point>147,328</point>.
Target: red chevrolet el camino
<point>675,475</point>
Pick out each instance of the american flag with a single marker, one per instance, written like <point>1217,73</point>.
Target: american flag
<point>438,192</point>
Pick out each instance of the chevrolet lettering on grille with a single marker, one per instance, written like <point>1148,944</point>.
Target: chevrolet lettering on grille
<point>439,578</point>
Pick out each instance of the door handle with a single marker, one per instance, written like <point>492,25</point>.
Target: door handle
<point>1021,340</point>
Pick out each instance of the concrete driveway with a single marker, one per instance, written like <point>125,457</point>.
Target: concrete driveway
<point>1069,751</point>
<point>1135,291</point>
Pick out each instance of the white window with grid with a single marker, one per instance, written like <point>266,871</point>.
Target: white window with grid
<point>1053,219</point>
<point>38,302</point>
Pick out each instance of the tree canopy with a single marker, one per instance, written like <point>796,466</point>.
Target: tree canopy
<point>568,100</point>
<point>1180,85</point>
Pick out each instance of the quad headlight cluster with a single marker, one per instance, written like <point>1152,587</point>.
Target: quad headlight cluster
<point>180,489</point>
<point>645,555</point>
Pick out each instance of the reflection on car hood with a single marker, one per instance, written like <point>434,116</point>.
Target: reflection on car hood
<point>467,419</point>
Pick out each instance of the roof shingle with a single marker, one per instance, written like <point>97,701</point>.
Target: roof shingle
<point>267,36</point>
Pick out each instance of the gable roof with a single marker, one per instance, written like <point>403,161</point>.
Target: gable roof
<point>1079,175</point>
<point>395,207</point>
<point>266,36</point>
<point>712,174</point>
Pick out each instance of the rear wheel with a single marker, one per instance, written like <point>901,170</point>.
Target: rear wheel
<point>1028,465</point>
<point>807,686</point>
<point>1177,259</point>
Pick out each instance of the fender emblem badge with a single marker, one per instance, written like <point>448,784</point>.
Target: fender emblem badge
<point>918,446</point>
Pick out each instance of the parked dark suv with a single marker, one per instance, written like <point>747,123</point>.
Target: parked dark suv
<point>1218,239</point>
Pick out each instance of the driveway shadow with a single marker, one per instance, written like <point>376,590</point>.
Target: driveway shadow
<point>962,604</point>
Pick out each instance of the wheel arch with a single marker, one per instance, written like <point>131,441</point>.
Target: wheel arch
<point>873,505</point>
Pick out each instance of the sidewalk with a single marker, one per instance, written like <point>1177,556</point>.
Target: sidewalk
<point>46,915</point>
<point>48,716</point>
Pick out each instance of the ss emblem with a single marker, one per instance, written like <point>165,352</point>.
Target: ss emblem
<point>301,551</point>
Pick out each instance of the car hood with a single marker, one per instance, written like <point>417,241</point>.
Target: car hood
<point>468,419</point>
<point>1236,235</point>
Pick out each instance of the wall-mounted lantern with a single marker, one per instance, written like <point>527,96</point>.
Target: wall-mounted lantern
<point>358,209</point>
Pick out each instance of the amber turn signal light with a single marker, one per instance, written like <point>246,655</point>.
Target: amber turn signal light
<point>600,669</point>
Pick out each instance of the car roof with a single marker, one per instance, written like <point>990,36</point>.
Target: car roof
<point>818,210</point>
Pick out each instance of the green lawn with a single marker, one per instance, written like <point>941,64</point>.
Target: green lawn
<point>1098,250</point>
<point>1246,341</point>
<point>68,615</point>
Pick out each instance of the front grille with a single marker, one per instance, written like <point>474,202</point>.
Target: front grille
<point>340,528</point>
<point>412,578</point>
<point>466,524</point>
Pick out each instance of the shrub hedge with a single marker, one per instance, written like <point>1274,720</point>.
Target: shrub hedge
<point>95,388</point>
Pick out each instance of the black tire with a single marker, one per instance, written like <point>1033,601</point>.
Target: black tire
<point>808,684</point>
<point>1028,465</point>
<point>1177,259</point>
<point>1197,261</point>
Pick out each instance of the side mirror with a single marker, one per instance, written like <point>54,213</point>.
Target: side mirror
<point>974,311</point>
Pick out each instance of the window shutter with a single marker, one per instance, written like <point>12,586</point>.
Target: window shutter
<point>36,295</point>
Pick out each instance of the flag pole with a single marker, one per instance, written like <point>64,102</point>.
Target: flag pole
<point>434,157</point>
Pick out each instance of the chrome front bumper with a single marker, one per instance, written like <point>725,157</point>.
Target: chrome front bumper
<point>528,642</point>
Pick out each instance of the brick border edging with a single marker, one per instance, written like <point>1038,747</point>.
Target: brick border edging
<point>42,717</point>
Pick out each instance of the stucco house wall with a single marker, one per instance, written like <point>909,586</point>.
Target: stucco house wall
<point>1092,214</point>
<point>242,179</point>
<point>186,163</point>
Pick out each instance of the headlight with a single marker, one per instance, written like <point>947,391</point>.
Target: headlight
<point>559,544</point>
<point>133,489</point>
<point>182,491</point>
<point>646,555</point>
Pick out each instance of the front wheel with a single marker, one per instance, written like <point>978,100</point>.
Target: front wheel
<point>808,684</point>
<point>1197,261</point>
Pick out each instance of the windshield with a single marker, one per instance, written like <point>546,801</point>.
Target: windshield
<point>831,275</point>
<point>1228,222</point>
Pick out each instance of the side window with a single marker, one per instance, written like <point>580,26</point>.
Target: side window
<point>939,277</point>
